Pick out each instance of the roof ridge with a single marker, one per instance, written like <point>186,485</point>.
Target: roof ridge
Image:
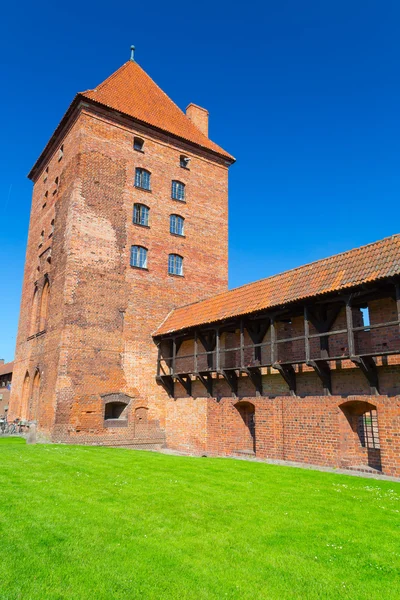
<point>239,287</point>
<point>107,80</point>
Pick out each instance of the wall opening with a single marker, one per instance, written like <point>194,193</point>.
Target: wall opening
<point>360,445</point>
<point>246,434</point>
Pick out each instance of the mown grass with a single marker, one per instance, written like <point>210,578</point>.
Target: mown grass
<point>103,523</point>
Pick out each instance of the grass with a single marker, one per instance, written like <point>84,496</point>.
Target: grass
<point>103,523</point>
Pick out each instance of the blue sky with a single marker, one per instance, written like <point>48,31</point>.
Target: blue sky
<point>306,95</point>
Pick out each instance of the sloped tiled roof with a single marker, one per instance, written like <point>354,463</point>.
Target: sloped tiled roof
<point>361,265</point>
<point>132,92</point>
<point>6,368</point>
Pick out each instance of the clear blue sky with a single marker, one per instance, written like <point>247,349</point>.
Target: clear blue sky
<point>305,94</point>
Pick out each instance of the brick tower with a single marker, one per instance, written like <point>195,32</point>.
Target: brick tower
<point>128,220</point>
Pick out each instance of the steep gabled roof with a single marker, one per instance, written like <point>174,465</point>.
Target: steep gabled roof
<point>361,265</point>
<point>132,92</point>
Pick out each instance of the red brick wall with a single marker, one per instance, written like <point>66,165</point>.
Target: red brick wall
<point>102,311</point>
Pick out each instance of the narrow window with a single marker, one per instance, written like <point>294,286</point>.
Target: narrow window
<point>184,161</point>
<point>178,190</point>
<point>51,228</point>
<point>61,153</point>
<point>139,257</point>
<point>46,174</point>
<point>175,264</point>
<point>138,144</point>
<point>44,305</point>
<point>142,179</point>
<point>176,224</point>
<point>365,317</point>
<point>56,186</point>
<point>35,303</point>
<point>368,430</point>
<point>141,214</point>
<point>41,238</point>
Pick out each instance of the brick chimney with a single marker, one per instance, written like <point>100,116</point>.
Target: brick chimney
<point>1,361</point>
<point>199,117</point>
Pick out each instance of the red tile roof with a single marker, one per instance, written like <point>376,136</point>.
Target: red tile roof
<point>361,265</point>
<point>131,91</point>
<point>6,368</point>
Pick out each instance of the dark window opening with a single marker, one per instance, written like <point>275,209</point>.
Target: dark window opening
<point>61,153</point>
<point>138,144</point>
<point>114,410</point>
<point>368,430</point>
<point>184,161</point>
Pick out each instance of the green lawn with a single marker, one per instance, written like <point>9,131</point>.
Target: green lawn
<point>104,523</point>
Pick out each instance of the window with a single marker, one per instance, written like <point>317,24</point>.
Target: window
<point>44,305</point>
<point>176,224</point>
<point>184,161</point>
<point>35,304</point>
<point>142,179</point>
<point>139,257</point>
<point>41,238</point>
<point>56,186</point>
<point>178,190</point>
<point>45,174</point>
<point>51,228</point>
<point>141,214</point>
<point>175,264</point>
<point>114,410</point>
<point>61,153</point>
<point>368,430</point>
<point>138,144</point>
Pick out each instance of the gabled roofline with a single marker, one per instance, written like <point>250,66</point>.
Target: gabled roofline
<point>79,100</point>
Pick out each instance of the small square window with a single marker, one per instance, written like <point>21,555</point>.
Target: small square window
<point>138,144</point>
<point>184,161</point>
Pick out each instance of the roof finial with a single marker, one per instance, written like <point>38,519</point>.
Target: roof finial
<point>133,53</point>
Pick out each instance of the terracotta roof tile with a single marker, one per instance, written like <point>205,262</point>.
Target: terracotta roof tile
<point>361,265</point>
<point>131,91</point>
<point>6,368</point>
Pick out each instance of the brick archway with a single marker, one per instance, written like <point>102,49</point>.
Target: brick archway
<point>359,436</point>
<point>246,432</point>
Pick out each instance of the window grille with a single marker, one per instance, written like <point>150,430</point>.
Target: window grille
<point>176,224</point>
<point>142,179</point>
<point>138,144</point>
<point>178,190</point>
<point>368,430</point>
<point>139,257</point>
<point>141,214</point>
<point>175,264</point>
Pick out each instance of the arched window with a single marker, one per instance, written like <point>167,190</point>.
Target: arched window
<point>178,191</point>
<point>34,311</point>
<point>176,224</point>
<point>142,179</point>
<point>175,264</point>
<point>139,257</point>
<point>141,214</point>
<point>138,144</point>
<point>44,304</point>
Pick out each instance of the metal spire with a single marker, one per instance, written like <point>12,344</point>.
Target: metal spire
<point>133,53</point>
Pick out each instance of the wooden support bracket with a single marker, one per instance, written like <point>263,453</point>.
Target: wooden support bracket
<point>368,367</point>
<point>323,371</point>
<point>167,383</point>
<point>232,379</point>
<point>186,382</point>
<point>288,374</point>
<point>206,379</point>
<point>254,374</point>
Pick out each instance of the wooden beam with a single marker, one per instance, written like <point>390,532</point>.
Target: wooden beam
<point>349,321</point>
<point>195,352</point>
<point>323,371</point>
<point>232,379</point>
<point>322,318</point>
<point>397,288</point>
<point>206,379</point>
<point>289,375</point>
<point>273,340</point>
<point>369,368</point>
<point>306,333</point>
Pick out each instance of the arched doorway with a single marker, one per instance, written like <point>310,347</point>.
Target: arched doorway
<point>246,434</point>
<point>359,435</point>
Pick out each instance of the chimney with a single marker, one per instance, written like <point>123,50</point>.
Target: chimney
<point>199,117</point>
<point>1,361</point>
